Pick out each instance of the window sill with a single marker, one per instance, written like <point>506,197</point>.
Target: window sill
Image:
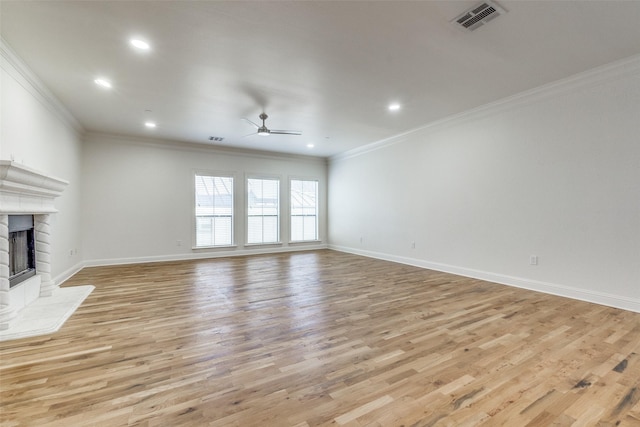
<point>197,248</point>
<point>249,245</point>
<point>302,242</point>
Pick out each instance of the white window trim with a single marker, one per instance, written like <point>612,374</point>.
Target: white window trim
<point>247,177</point>
<point>304,178</point>
<point>214,173</point>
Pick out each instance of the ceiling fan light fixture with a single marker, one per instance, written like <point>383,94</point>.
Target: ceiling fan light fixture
<point>263,132</point>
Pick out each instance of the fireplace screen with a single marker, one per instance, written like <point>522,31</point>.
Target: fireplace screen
<point>22,259</point>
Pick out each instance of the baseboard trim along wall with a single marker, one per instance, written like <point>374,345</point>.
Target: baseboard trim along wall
<point>67,274</point>
<point>218,253</point>
<point>630,304</point>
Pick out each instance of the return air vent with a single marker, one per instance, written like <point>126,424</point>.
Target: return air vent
<point>478,15</point>
<point>215,138</point>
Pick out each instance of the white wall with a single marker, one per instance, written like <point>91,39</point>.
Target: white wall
<point>139,200</point>
<point>553,173</point>
<point>37,131</point>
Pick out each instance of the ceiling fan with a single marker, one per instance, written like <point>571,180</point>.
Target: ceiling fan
<point>264,131</point>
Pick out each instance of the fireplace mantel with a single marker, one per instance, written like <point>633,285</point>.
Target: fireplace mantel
<point>26,191</point>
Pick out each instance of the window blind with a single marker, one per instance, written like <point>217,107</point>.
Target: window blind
<point>214,210</point>
<point>263,211</point>
<point>304,210</point>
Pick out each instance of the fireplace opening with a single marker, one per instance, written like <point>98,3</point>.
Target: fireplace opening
<point>22,249</point>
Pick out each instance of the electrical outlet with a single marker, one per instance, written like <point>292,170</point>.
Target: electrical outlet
<point>533,260</point>
<point>361,239</point>
<point>413,245</point>
<point>178,242</point>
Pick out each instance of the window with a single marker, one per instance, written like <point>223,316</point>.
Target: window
<point>263,210</point>
<point>304,210</point>
<point>214,210</point>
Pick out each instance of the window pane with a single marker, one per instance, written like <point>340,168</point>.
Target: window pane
<point>263,210</point>
<point>254,229</point>
<point>304,210</point>
<point>214,210</point>
<point>310,228</point>
<point>222,231</point>
<point>296,228</point>
<point>270,229</point>
<point>204,234</point>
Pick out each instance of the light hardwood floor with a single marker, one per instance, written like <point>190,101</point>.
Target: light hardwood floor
<point>321,338</point>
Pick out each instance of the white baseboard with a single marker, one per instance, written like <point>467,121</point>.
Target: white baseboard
<point>611,300</point>
<point>217,253</point>
<point>66,275</point>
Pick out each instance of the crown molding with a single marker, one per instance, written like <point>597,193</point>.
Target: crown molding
<point>595,76</point>
<point>20,71</point>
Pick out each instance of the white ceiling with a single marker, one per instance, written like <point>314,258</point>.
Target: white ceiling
<point>327,68</point>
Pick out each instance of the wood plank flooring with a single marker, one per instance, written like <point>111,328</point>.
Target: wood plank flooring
<point>321,338</point>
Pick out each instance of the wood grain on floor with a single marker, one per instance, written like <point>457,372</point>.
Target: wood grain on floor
<point>321,338</point>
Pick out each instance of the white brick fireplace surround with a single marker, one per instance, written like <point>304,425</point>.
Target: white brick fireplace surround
<point>24,191</point>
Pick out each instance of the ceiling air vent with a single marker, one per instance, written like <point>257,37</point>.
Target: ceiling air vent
<point>478,15</point>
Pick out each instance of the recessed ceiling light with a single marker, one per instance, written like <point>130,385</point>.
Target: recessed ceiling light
<point>310,145</point>
<point>150,124</point>
<point>394,106</point>
<point>140,44</point>
<point>103,82</point>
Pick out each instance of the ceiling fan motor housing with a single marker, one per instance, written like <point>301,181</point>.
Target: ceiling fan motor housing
<point>265,131</point>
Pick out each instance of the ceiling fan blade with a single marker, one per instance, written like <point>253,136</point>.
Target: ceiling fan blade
<point>247,120</point>
<point>286,132</point>
<point>250,134</point>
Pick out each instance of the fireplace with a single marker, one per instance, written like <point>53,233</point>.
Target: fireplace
<point>22,249</point>
<point>26,205</point>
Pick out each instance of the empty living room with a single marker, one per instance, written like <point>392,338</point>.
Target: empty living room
<point>319,213</point>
